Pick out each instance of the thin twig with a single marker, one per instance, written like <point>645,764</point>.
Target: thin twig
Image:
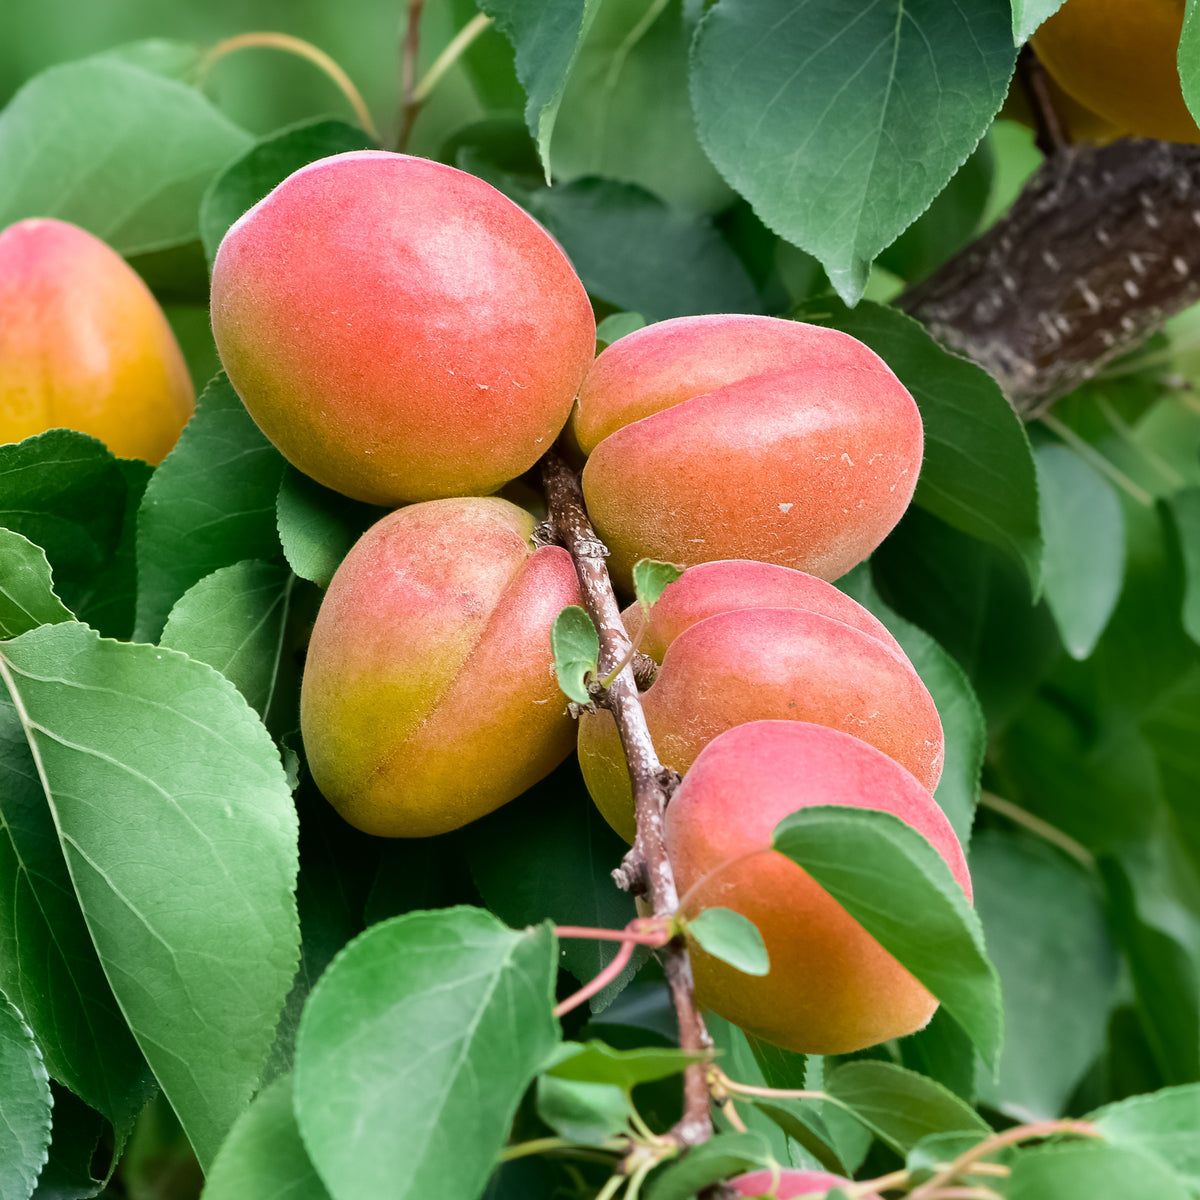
<point>410,48</point>
<point>646,869</point>
<point>1043,829</point>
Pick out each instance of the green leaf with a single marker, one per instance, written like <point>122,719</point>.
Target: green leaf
<point>264,1155</point>
<point>731,937</point>
<point>840,123</point>
<point>210,504</point>
<point>576,647</point>
<point>24,1106</point>
<point>549,856</point>
<point>721,1156</point>
<point>1188,57</point>
<point>651,579</point>
<point>1044,920</point>
<point>185,873</point>
<point>583,1112</point>
<point>635,253</point>
<point>1089,1170</point>
<point>48,964</point>
<point>978,474</point>
<point>235,620</point>
<point>901,1106</point>
<point>963,725</point>
<point>547,39</point>
<point>122,151</point>
<point>895,884</point>
<point>941,1148</point>
<point>160,56</point>
<point>268,162</point>
<point>66,493</point>
<point>415,1049</point>
<point>598,1062</point>
<point>1184,507</point>
<point>77,1167</point>
<point>618,325</point>
<point>317,526</point>
<point>1027,15</point>
<point>943,1052</point>
<point>634,61</point>
<point>27,597</point>
<point>1084,528</point>
<point>1164,1126</point>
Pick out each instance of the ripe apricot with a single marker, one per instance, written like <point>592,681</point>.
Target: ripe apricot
<point>83,344</point>
<point>831,988</point>
<point>400,329</point>
<point>429,696</point>
<point>745,437</point>
<point>791,1184</point>
<point>1119,59</point>
<point>818,656</point>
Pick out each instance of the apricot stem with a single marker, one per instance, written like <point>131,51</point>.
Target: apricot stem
<point>1051,833</point>
<point>646,869</point>
<point>547,1144</point>
<point>752,1089</point>
<point>302,49</point>
<point>642,931</point>
<point>602,980</point>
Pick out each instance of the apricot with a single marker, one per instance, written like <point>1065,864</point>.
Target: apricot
<point>83,344</point>
<point>791,1184</point>
<point>429,696</point>
<point>831,988</point>
<point>823,658</point>
<point>745,437</point>
<point>400,329</point>
<point>1119,59</point>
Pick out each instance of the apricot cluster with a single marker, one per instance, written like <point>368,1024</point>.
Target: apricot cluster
<point>408,336</point>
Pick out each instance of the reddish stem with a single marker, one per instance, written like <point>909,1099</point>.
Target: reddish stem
<point>642,931</point>
<point>602,980</point>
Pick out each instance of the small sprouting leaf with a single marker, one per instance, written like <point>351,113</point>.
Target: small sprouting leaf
<point>617,325</point>
<point>598,1062</point>
<point>583,1112</point>
<point>24,1106</point>
<point>576,647</point>
<point>651,578</point>
<point>896,886</point>
<point>415,1048</point>
<point>27,597</point>
<point>731,937</point>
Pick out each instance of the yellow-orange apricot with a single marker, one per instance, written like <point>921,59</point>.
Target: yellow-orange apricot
<point>429,696</point>
<point>831,987</point>
<point>726,661</point>
<point>84,345</point>
<point>1118,59</point>
<point>745,437</point>
<point>400,329</point>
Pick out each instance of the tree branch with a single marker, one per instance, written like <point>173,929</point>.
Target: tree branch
<point>646,870</point>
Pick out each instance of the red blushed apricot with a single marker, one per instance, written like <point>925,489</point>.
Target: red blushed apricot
<point>429,696</point>
<point>792,1184</point>
<point>831,988</point>
<point>84,345</point>
<point>757,664</point>
<point>745,437</point>
<point>400,329</point>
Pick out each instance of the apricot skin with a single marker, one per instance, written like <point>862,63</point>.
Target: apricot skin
<point>750,664</point>
<point>792,1184</point>
<point>745,437</point>
<point>84,345</point>
<point>831,988</point>
<point>400,329</point>
<point>429,696</point>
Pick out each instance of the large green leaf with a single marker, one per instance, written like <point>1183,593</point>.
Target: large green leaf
<point>27,597</point>
<point>1029,14</point>
<point>415,1049</point>
<point>978,474</point>
<point>547,40</point>
<point>721,1156</point>
<point>24,1106</point>
<point>841,122</point>
<point>210,504</point>
<point>48,964</point>
<point>263,1154</point>
<point>1090,1170</point>
<point>180,837</point>
<point>1165,1125</point>
<point>634,61</point>
<point>122,151</point>
<point>1045,926</point>
<point>896,886</point>
<point>1188,56</point>
<point>78,1166</point>
<point>1085,546</point>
